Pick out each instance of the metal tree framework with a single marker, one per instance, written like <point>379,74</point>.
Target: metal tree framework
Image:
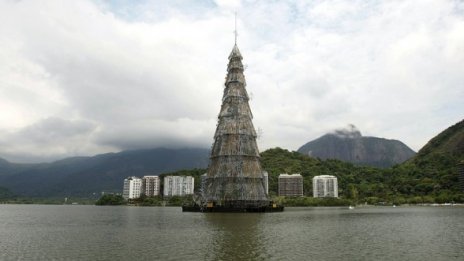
<point>235,178</point>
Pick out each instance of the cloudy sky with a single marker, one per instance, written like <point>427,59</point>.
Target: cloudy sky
<point>87,77</point>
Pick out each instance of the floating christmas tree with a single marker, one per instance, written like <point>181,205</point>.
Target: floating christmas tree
<point>235,177</point>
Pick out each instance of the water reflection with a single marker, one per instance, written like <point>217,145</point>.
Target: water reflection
<point>129,233</point>
<point>236,236</point>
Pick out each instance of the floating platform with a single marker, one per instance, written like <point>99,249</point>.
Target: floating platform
<point>197,208</point>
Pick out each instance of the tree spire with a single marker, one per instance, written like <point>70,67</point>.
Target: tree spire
<point>235,31</point>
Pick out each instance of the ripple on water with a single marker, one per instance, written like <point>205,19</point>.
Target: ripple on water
<point>124,233</point>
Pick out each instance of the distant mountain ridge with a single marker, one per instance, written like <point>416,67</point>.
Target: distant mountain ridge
<point>83,176</point>
<point>432,170</point>
<point>349,145</point>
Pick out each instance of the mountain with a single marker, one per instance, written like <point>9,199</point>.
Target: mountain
<point>437,162</point>
<point>349,145</point>
<point>449,142</point>
<point>434,169</point>
<point>430,176</point>
<point>83,176</point>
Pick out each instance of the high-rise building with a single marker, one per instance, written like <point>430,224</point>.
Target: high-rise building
<point>266,182</point>
<point>151,186</point>
<point>290,185</point>
<point>132,188</point>
<point>178,185</point>
<point>235,178</point>
<point>325,186</point>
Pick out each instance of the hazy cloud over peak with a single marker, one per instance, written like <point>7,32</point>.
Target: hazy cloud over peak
<point>86,77</point>
<point>349,131</point>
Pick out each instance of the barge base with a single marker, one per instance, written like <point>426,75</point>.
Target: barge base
<point>197,208</point>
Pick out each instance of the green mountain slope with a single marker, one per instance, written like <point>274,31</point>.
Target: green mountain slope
<point>355,182</point>
<point>84,176</point>
<point>436,163</point>
<point>450,142</point>
<point>430,176</point>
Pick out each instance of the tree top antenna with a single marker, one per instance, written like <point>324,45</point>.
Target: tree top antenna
<point>235,31</point>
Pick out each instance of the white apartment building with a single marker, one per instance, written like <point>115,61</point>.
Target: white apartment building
<point>266,182</point>
<point>178,185</point>
<point>290,185</point>
<point>132,188</point>
<point>325,186</point>
<point>151,186</point>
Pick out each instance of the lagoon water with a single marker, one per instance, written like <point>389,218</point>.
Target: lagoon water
<point>46,232</point>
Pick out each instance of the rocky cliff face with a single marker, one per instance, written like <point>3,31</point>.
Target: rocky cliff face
<point>349,145</point>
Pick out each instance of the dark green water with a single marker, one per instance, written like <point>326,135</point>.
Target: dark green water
<point>40,232</point>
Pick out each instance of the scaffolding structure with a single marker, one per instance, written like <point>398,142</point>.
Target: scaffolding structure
<point>235,178</point>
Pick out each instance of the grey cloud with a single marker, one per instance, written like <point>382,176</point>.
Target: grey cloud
<point>130,141</point>
<point>110,77</point>
<point>349,132</point>
<point>48,139</point>
<point>53,130</point>
<point>158,133</point>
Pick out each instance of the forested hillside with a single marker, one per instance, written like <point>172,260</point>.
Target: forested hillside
<point>89,176</point>
<point>429,177</point>
<point>405,183</point>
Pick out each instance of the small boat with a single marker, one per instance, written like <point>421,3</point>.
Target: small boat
<point>350,207</point>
